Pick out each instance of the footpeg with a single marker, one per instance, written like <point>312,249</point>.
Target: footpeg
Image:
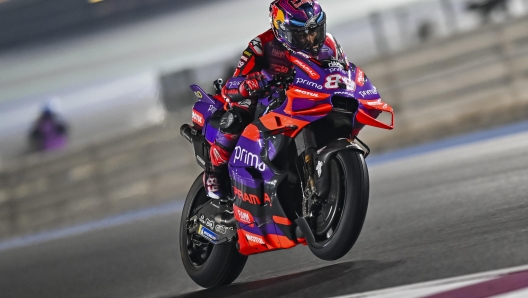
<point>226,218</point>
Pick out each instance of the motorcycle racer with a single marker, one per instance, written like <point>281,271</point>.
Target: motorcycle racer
<point>296,25</point>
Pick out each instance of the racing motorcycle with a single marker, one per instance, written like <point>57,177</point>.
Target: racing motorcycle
<point>298,173</point>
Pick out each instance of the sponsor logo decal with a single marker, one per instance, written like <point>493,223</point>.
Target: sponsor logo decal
<point>335,69</point>
<point>248,54</point>
<point>375,103</point>
<point>255,239</point>
<point>307,69</point>
<point>277,16</point>
<point>200,160</point>
<point>267,199</point>
<point>368,92</point>
<point>249,158</point>
<point>335,64</point>
<point>252,84</point>
<point>211,109</point>
<point>197,117</point>
<point>360,77</point>
<point>308,83</point>
<point>279,68</point>
<point>234,84</point>
<point>244,58</point>
<point>298,3</point>
<point>220,229</point>
<point>198,94</point>
<point>312,21</point>
<point>319,168</point>
<point>207,233</point>
<point>250,198</point>
<point>278,53</point>
<point>304,92</point>
<point>343,93</point>
<point>256,46</point>
<point>209,223</point>
<point>243,216</point>
<point>303,54</point>
<point>241,64</point>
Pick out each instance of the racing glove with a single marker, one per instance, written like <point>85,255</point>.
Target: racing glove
<point>240,88</point>
<point>254,82</point>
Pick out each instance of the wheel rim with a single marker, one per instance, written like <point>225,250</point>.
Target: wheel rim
<point>329,215</point>
<point>198,248</point>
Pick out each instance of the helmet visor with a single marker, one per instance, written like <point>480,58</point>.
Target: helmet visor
<point>307,38</point>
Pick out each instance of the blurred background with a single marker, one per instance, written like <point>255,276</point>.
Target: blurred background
<point>109,80</point>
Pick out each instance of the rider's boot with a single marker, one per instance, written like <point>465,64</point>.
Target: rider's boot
<point>215,184</point>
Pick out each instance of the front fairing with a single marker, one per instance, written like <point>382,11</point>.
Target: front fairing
<point>320,87</point>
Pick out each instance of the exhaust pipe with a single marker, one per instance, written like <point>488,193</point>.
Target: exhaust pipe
<point>187,132</point>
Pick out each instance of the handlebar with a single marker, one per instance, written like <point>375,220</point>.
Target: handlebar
<point>279,81</point>
<point>218,86</point>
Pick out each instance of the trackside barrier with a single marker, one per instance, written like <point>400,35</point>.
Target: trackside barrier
<point>443,87</point>
<point>146,168</point>
<point>468,81</point>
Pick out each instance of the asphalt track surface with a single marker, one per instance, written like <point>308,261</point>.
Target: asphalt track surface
<point>455,211</point>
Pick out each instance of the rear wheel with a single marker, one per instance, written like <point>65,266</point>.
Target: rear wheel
<point>338,223</point>
<point>207,264</point>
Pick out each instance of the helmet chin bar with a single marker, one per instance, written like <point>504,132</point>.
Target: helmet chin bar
<point>312,49</point>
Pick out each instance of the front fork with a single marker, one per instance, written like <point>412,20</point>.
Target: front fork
<point>309,172</point>
<point>307,147</point>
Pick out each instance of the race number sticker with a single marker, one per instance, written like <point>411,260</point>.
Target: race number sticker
<point>335,80</point>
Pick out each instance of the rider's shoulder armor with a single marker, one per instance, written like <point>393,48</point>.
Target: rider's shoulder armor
<point>263,52</point>
<point>259,43</point>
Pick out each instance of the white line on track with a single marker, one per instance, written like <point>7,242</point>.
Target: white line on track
<point>92,226</point>
<point>515,294</point>
<point>442,285</point>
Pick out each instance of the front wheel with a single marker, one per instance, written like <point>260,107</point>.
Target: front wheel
<point>338,223</point>
<point>207,264</point>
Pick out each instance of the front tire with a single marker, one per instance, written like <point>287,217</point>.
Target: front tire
<point>338,224</point>
<point>208,265</point>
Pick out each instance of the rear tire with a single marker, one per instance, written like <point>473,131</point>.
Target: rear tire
<point>349,197</point>
<point>213,265</point>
